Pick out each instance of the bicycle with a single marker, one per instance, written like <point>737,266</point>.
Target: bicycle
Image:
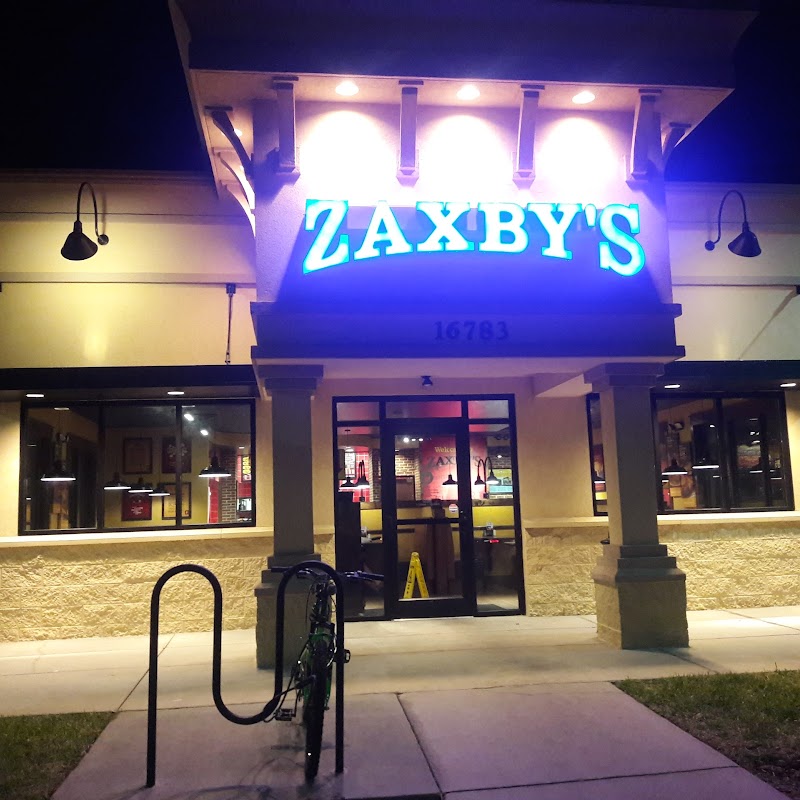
<point>312,672</point>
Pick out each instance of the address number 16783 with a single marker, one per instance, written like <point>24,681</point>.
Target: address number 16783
<point>470,330</point>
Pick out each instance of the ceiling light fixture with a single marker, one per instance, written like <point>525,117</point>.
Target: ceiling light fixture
<point>790,385</point>
<point>176,392</point>
<point>34,394</point>
<point>745,244</point>
<point>468,92</point>
<point>582,98</point>
<point>347,89</point>
<point>78,246</point>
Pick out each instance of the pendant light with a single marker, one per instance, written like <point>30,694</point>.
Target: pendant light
<point>160,491</point>
<point>59,473</point>
<point>140,487</point>
<point>674,469</point>
<point>450,481</point>
<point>361,481</point>
<point>116,484</point>
<point>214,470</point>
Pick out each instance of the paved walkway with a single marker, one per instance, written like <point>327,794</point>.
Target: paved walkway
<point>518,708</point>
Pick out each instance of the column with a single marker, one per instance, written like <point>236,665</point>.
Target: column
<point>640,592</point>
<point>290,388</point>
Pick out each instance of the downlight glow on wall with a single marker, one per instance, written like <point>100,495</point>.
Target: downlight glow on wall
<point>505,229</point>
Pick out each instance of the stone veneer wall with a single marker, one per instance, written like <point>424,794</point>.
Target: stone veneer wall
<point>72,586</point>
<point>736,561</point>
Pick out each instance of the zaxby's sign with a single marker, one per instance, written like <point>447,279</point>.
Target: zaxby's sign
<point>341,234</point>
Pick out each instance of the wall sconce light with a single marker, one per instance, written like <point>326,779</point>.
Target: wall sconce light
<point>426,381</point>
<point>78,246</point>
<point>745,244</point>
<point>450,481</point>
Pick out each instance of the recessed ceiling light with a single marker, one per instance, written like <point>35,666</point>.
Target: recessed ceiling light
<point>468,92</point>
<point>347,89</point>
<point>176,393</point>
<point>188,416</point>
<point>203,432</point>
<point>60,408</point>
<point>672,386</point>
<point>582,98</point>
<point>788,385</point>
<point>34,394</point>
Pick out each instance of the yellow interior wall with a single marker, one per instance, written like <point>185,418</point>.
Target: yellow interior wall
<point>113,500</point>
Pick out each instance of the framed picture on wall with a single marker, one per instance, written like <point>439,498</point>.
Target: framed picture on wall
<point>169,455</point>
<point>168,504</point>
<point>136,507</point>
<point>137,455</point>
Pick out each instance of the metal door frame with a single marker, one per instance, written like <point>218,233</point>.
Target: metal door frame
<point>436,607</point>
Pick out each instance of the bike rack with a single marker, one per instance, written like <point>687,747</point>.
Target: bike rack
<point>216,668</point>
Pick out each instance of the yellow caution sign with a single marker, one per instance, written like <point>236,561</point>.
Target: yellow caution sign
<point>415,575</point>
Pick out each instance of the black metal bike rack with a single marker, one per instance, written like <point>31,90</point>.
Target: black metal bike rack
<point>216,668</point>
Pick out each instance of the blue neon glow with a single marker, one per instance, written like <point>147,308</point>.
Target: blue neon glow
<point>383,227</point>
<point>555,230</point>
<point>623,240</point>
<point>504,228</point>
<point>315,258</point>
<point>443,227</point>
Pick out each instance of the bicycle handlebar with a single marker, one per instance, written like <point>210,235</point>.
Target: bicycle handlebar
<point>357,575</point>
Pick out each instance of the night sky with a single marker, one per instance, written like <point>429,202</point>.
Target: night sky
<point>99,85</point>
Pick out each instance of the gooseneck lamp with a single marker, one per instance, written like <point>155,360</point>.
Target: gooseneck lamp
<point>78,246</point>
<point>745,244</point>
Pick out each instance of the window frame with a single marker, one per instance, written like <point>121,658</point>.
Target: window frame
<point>727,493</point>
<point>102,405</point>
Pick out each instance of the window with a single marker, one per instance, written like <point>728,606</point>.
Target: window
<point>137,465</point>
<point>714,453</point>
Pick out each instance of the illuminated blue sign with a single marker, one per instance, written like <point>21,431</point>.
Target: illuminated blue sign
<point>505,229</point>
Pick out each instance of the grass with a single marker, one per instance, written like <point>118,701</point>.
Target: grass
<point>38,752</point>
<point>752,718</point>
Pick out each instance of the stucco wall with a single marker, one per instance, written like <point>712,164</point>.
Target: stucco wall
<point>76,585</point>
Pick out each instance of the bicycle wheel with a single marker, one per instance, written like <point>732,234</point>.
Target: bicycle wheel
<point>314,709</point>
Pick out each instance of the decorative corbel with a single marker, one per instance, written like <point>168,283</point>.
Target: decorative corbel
<point>645,159</point>
<point>408,160</point>
<point>240,187</point>
<point>286,163</point>
<point>220,117</point>
<point>525,171</point>
<point>675,132</point>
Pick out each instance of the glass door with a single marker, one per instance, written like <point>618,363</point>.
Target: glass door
<point>427,518</point>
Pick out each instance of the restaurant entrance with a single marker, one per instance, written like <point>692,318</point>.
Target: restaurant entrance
<point>426,496</point>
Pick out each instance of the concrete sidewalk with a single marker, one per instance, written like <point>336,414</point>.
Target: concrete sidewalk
<point>468,709</point>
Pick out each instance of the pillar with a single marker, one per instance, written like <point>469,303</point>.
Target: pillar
<point>640,592</point>
<point>290,388</point>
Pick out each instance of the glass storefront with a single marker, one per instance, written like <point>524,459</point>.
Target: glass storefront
<point>714,452</point>
<point>426,495</point>
<point>132,466</point>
